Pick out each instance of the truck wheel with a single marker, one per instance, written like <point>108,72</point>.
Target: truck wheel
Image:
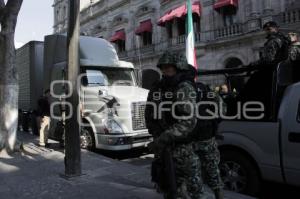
<point>87,140</point>
<point>239,173</point>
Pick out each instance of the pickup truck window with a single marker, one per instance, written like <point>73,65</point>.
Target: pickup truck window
<point>109,77</point>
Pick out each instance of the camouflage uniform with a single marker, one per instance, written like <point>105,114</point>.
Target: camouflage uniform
<point>294,52</point>
<point>274,51</point>
<point>294,58</point>
<point>209,155</point>
<point>206,147</point>
<point>170,132</point>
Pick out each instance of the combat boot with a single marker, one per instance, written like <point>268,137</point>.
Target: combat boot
<point>219,194</point>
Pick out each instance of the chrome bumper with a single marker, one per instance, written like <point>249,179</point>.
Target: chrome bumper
<point>123,142</point>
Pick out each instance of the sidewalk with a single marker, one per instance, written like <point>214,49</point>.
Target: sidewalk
<point>36,173</point>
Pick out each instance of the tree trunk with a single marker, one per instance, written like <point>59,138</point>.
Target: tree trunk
<point>8,75</point>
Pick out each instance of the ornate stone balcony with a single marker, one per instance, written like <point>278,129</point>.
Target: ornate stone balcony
<point>291,16</point>
<point>229,31</point>
<point>147,49</point>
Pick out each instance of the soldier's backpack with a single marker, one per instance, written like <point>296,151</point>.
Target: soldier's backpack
<point>206,127</point>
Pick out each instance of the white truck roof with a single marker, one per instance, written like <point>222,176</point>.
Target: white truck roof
<point>97,52</point>
<point>92,51</point>
<point>125,64</point>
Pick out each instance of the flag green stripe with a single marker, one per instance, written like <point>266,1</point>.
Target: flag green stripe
<point>189,16</point>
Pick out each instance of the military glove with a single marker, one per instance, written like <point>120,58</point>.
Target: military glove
<point>154,147</point>
<point>161,142</point>
<point>165,139</point>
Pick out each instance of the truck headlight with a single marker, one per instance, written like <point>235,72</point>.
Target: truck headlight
<point>112,127</point>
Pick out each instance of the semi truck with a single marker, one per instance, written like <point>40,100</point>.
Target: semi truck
<point>111,102</point>
<point>253,151</point>
<point>29,61</point>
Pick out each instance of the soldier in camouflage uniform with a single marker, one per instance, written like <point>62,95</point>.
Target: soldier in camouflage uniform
<point>275,50</point>
<point>209,155</point>
<point>294,51</point>
<point>206,147</point>
<point>294,55</point>
<point>168,131</point>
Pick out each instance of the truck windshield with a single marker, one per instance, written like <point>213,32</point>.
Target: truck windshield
<point>109,77</point>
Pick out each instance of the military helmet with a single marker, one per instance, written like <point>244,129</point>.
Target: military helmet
<point>178,60</point>
<point>270,24</point>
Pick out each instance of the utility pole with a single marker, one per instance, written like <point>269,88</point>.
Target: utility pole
<point>72,137</point>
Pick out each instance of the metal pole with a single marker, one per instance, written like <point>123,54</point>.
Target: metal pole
<point>72,139</point>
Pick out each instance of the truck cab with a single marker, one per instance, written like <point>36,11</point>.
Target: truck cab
<point>111,102</point>
<point>262,149</point>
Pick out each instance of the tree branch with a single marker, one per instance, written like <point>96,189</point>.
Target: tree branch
<point>13,6</point>
<point>2,7</point>
<point>10,13</point>
<point>2,4</point>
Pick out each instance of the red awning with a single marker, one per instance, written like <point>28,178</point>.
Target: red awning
<point>119,35</point>
<point>225,3</point>
<point>179,12</point>
<point>145,26</point>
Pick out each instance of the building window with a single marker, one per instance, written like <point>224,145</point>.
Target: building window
<point>145,9</point>
<point>65,12</point>
<point>229,20</point>
<point>120,45</point>
<point>197,24</point>
<point>181,26</point>
<point>145,32</point>
<point>57,15</point>
<point>147,38</point>
<point>119,39</point>
<point>229,16</point>
<point>169,29</point>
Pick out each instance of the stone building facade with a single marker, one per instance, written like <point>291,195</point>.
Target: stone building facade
<point>228,32</point>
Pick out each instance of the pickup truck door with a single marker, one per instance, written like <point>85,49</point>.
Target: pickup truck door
<point>289,115</point>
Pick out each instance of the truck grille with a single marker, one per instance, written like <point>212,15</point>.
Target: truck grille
<point>138,115</point>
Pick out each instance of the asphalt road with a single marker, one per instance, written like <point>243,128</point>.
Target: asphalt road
<point>141,157</point>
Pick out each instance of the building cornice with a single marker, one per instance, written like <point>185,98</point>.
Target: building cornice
<point>105,9</point>
<point>140,12</point>
<point>118,4</point>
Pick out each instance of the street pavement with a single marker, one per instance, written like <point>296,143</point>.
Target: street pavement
<point>38,173</point>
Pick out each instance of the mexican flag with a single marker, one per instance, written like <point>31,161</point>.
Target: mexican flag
<point>190,40</point>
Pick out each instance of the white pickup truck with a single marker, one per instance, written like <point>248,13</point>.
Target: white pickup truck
<point>252,151</point>
<point>112,104</point>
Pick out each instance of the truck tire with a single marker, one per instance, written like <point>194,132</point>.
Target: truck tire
<point>239,173</point>
<point>87,139</point>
